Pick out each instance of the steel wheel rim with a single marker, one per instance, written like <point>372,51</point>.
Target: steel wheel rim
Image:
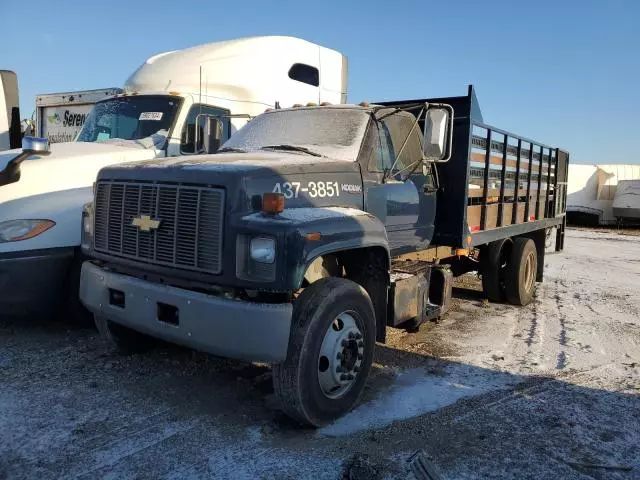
<point>341,356</point>
<point>529,271</point>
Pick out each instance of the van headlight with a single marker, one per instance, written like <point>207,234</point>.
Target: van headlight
<point>263,249</point>
<point>16,230</point>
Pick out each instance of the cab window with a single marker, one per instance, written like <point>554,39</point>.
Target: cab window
<point>382,154</point>
<point>199,113</point>
<point>397,127</point>
<point>305,74</point>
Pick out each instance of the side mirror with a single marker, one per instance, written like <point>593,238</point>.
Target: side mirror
<point>212,135</point>
<point>438,133</point>
<point>30,146</point>
<point>35,145</point>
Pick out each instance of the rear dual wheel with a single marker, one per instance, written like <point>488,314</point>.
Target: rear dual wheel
<point>509,270</point>
<point>330,352</point>
<point>520,275</point>
<point>495,258</point>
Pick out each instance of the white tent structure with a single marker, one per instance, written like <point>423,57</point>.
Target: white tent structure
<point>592,190</point>
<point>626,204</point>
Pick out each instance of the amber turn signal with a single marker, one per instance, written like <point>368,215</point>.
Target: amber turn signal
<point>272,203</point>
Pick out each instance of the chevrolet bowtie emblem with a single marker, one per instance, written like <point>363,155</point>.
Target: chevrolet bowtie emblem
<point>145,223</point>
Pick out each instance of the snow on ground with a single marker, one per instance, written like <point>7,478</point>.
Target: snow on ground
<point>414,394</point>
<point>492,391</point>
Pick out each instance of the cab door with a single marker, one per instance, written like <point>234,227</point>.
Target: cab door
<point>392,193</point>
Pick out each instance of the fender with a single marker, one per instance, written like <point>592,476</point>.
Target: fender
<point>334,230</point>
<point>63,207</point>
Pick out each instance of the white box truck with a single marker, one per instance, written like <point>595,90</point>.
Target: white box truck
<point>10,133</point>
<point>60,116</point>
<point>176,103</point>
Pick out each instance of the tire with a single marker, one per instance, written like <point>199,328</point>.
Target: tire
<point>321,318</point>
<point>120,338</point>
<point>72,309</point>
<point>494,261</point>
<point>520,274</point>
<point>371,272</point>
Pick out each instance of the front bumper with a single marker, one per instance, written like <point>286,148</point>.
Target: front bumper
<point>229,328</point>
<point>31,282</point>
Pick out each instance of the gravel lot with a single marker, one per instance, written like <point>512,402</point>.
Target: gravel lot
<point>492,391</point>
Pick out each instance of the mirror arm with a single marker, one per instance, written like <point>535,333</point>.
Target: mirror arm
<point>11,172</point>
<point>410,168</point>
<point>404,144</point>
<point>436,175</point>
<point>18,159</point>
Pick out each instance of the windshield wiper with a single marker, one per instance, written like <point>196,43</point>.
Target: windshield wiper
<point>291,148</point>
<point>231,149</point>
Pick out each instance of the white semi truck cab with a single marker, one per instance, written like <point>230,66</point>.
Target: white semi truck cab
<point>182,102</point>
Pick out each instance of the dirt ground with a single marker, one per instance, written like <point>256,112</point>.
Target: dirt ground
<point>492,391</point>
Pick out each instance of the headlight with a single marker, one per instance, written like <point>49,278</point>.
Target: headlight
<point>263,249</point>
<point>87,227</point>
<point>15,230</point>
<point>87,221</point>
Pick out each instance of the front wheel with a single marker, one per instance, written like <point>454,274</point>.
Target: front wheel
<point>330,352</point>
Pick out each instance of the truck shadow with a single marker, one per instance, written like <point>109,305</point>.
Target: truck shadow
<point>43,323</point>
<point>135,409</point>
<point>465,293</point>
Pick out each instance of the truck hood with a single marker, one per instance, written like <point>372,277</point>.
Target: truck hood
<point>304,180</point>
<point>69,165</point>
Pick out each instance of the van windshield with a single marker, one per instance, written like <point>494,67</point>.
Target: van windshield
<point>334,132</point>
<point>141,120</point>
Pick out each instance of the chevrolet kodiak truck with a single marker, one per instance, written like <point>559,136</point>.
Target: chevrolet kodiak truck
<point>312,231</point>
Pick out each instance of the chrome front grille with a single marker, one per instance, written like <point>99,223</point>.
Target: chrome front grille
<point>189,232</point>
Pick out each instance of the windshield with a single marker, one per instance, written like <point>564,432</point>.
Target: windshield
<point>140,120</point>
<point>329,132</point>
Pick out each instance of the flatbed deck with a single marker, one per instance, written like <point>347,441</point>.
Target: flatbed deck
<point>497,184</point>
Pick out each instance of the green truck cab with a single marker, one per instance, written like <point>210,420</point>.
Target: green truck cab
<point>312,231</point>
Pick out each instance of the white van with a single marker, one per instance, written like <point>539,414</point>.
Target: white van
<point>61,116</point>
<point>181,102</point>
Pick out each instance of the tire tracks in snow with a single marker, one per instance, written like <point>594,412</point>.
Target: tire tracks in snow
<point>543,330</point>
<point>561,361</point>
<point>531,325</point>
